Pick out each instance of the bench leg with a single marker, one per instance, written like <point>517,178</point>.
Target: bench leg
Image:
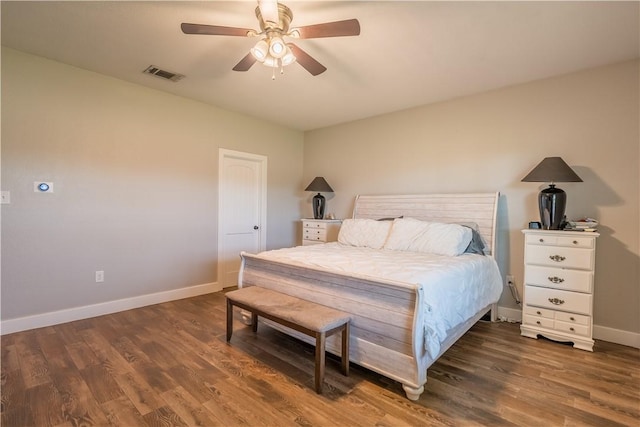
<point>320,343</point>
<point>345,350</point>
<point>254,322</point>
<point>229,319</point>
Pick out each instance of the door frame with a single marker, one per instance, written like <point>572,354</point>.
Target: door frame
<point>223,154</point>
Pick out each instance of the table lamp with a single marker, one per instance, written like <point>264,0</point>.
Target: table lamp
<point>552,201</point>
<point>319,184</point>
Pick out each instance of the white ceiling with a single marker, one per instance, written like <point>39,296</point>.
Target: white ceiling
<point>408,54</point>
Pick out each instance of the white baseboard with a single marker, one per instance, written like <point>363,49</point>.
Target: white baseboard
<point>603,333</point>
<point>56,317</point>
<point>513,315</point>
<point>617,336</point>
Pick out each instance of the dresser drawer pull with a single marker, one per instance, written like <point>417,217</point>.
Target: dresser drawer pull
<point>557,258</point>
<point>572,330</point>
<point>575,242</point>
<point>573,319</point>
<point>556,301</point>
<point>555,279</point>
<point>538,322</point>
<point>541,240</point>
<point>538,313</point>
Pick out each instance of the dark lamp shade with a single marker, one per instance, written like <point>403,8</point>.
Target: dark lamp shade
<point>552,169</point>
<point>552,201</point>
<point>320,185</point>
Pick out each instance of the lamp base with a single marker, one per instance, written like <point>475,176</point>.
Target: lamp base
<point>319,203</point>
<point>552,202</point>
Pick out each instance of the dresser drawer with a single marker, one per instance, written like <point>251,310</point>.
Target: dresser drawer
<point>576,242</point>
<point>553,299</point>
<point>539,321</point>
<point>559,278</point>
<point>314,225</point>
<point>314,231</point>
<point>562,257</point>
<point>568,241</point>
<point>572,328</point>
<point>314,234</point>
<point>539,312</point>
<point>576,319</point>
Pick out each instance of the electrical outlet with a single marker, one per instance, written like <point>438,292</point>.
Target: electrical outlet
<point>99,276</point>
<point>511,284</point>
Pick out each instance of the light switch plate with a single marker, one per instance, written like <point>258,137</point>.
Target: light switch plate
<point>5,197</point>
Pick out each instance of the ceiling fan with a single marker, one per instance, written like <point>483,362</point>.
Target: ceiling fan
<point>272,50</point>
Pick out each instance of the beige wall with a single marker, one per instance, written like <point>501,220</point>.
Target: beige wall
<point>489,142</point>
<point>135,178</point>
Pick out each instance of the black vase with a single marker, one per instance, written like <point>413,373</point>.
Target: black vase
<point>318,206</point>
<point>552,202</point>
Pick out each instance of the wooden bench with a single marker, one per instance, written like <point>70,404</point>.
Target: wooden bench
<point>315,320</point>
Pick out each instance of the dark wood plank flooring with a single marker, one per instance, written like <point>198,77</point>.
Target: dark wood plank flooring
<point>169,364</point>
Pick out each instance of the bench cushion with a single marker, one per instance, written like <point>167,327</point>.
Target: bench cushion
<point>307,314</point>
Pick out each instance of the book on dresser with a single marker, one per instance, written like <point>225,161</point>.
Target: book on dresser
<point>559,269</point>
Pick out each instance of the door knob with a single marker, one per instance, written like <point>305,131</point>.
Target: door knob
<point>255,227</point>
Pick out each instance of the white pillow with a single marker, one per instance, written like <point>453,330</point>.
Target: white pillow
<point>404,233</point>
<point>408,234</point>
<point>367,233</point>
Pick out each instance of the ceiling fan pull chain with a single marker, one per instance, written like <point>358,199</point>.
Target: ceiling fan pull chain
<point>281,66</point>
<point>273,73</point>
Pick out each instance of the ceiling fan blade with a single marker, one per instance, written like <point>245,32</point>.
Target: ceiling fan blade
<point>350,27</point>
<point>245,63</point>
<point>307,61</point>
<point>213,30</point>
<point>269,10</point>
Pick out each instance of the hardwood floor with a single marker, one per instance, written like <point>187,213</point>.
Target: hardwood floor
<point>169,364</point>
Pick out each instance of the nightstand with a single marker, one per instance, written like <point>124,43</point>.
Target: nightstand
<point>558,286</point>
<point>315,231</point>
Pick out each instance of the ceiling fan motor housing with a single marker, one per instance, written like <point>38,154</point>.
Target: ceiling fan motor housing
<point>285,16</point>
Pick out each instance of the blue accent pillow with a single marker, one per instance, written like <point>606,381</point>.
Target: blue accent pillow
<point>476,246</point>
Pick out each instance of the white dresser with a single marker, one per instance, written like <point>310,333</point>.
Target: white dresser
<point>558,286</point>
<point>316,231</point>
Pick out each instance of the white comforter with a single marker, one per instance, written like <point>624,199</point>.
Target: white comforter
<point>455,288</point>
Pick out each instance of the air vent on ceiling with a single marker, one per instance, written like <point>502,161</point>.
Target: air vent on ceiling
<point>174,77</point>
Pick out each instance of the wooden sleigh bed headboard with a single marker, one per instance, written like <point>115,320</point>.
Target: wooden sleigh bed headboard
<point>479,208</point>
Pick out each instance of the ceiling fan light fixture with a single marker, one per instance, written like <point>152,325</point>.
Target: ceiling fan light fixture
<point>288,58</point>
<point>277,48</point>
<point>272,62</point>
<point>261,50</point>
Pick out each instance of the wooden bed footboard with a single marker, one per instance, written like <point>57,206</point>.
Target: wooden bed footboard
<point>384,333</point>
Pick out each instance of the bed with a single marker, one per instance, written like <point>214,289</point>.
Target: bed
<point>404,316</point>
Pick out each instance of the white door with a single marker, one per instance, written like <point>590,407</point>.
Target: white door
<point>242,210</point>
